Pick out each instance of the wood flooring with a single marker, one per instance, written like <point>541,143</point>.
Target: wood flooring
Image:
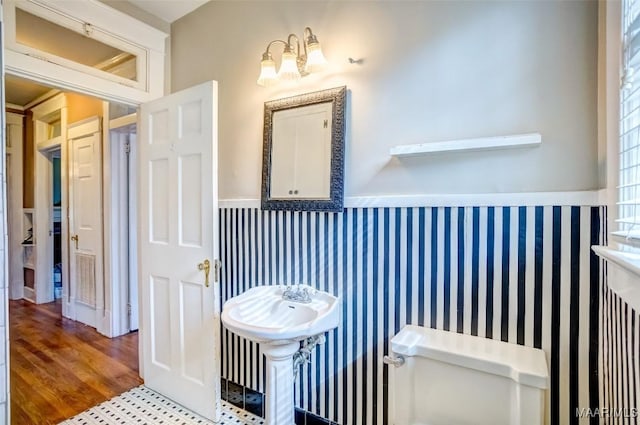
<point>60,368</point>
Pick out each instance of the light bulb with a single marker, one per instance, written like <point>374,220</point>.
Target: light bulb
<point>315,59</point>
<point>289,66</point>
<point>268,76</point>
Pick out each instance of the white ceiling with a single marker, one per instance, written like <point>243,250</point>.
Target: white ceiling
<point>168,10</point>
<point>21,92</point>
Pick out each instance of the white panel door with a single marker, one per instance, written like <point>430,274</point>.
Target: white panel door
<point>85,222</point>
<point>179,305</point>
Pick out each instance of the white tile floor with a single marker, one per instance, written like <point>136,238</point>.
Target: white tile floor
<point>143,406</point>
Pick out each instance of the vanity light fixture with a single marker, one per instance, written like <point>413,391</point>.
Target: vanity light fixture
<point>295,63</point>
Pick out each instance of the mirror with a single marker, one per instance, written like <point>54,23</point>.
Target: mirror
<point>303,152</point>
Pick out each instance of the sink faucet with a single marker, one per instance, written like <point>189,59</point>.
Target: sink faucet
<point>297,293</point>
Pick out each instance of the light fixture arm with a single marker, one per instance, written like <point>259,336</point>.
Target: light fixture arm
<point>267,54</point>
<point>291,44</point>
<point>309,37</point>
<point>301,58</point>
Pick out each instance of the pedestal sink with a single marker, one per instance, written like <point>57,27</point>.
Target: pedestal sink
<point>261,314</point>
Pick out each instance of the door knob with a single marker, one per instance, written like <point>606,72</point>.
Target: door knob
<point>75,239</point>
<point>206,267</point>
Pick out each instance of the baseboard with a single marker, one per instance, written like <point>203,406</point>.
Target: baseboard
<point>254,402</point>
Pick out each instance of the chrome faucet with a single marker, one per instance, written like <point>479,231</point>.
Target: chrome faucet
<point>297,293</point>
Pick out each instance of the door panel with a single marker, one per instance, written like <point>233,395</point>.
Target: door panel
<point>160,321</point>
<point>178,231</point>
<point>193,318</point>
<point>190,210</point>
<point>159,201</point>
<point>85,222</point>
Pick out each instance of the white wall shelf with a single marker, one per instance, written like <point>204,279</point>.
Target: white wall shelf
<point>29,255</point>
<point>483,143</point>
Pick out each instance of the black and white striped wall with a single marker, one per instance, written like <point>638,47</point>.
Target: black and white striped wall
<point>520,274</point>
<point>620,357</point>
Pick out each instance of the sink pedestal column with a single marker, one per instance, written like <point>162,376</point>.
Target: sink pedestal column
<point>279,408</point>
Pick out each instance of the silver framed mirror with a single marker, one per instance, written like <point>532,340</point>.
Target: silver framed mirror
<point>303,152</point>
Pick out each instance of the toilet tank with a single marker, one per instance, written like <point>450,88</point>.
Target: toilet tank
<point>455,379</point>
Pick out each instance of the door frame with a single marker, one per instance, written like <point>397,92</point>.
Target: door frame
<point>119,207</point>
<point>50,110</point>
<point>83,84</point>
<point>15,207</point>
<point>53,75</point>
<point>110,321</point>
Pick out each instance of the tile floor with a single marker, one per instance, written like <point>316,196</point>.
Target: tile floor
<point>142,406</point>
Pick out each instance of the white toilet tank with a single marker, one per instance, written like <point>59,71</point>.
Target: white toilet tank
<point>455,379</point>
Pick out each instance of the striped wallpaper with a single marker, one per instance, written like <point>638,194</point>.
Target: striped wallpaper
<point>620,342</point>
<point>520,274</point>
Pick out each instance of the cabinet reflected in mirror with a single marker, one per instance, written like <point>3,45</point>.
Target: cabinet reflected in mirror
<point>303,152</point>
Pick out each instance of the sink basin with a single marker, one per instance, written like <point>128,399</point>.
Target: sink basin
<point>260,314</point>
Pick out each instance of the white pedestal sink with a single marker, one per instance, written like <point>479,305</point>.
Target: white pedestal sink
<point>262,315</point>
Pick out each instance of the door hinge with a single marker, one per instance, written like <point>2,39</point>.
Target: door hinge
<point>129,309</point>
<point>127,148</point>
<point>216,270</point>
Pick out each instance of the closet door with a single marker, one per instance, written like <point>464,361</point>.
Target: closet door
<point>85,222</point>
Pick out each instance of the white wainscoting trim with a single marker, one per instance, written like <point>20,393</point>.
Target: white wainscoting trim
<point>577,198</point>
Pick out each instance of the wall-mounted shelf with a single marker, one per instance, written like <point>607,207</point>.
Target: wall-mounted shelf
<point>498,142</point>
<point>29,256</point>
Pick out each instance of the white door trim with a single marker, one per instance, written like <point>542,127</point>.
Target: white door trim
<point>55,75</point>
<point>52,110</point>
<point>14,205</point>
<point>119,223</point>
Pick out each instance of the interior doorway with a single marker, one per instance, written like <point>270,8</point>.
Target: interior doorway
<point>113,29</point>
<point>45,179</point>
<point>50,223</point>
<point>122,133</point>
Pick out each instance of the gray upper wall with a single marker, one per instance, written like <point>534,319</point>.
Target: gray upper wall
<point>432,70</point>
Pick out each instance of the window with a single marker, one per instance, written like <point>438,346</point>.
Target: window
<point>84,46</point>
<point>629,144</point>
<point>37,35</point>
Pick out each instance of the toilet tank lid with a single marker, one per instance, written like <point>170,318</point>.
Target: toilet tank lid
<point>524,365</point>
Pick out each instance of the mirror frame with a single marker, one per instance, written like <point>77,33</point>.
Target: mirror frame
<point>335,203</point>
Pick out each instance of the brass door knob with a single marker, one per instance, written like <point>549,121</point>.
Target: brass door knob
<point>75,239</point>
<point>206,267</point>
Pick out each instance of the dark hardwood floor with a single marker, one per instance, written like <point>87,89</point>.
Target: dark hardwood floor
<point>60,367</point>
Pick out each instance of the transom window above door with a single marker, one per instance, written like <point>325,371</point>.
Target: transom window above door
<point>90,38</point>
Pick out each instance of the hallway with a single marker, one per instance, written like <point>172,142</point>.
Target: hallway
<point>60,367</point>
